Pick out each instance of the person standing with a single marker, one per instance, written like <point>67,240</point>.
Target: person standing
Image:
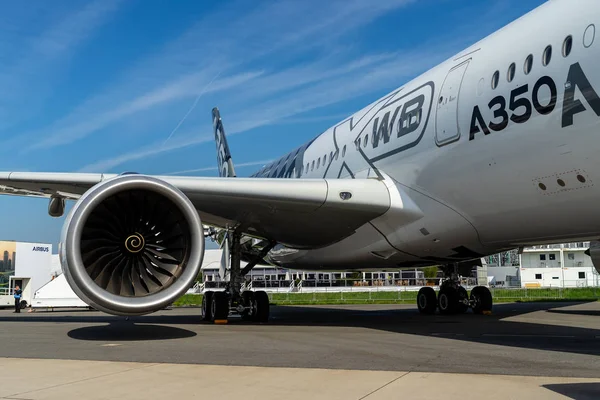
<point>18,293</point>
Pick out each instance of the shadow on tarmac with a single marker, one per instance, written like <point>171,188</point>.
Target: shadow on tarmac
<point>576,391</point>
<point>493,329</point>
<point>589,313</point>
<point>124,331</point>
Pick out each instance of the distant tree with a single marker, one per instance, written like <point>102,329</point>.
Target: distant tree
<point>430,272</point>
<point>354,275</point>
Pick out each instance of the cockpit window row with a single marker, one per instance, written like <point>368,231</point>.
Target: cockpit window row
<point>528,65</point>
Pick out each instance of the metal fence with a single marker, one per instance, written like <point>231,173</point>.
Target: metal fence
<point>334,285</point>
<point>314,292</point>
<point>410,296</point>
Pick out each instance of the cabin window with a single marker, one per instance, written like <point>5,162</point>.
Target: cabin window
<point>567,46</point>
<point>312,167</point>
<point>538,276</point>
<point>307,166</point>
<point>318,162</point>
<point>331,156</point>
<point>542,257</point>
<point>528,64</point>
<point>344,151</point>
<point>337,153</point>
<point>325,159</point>
<point>582,275</point>
<point>366,141</point>
<point>495,79</point>
<point>547,56</point>
<point>552,257</point>
<point>511,72</point>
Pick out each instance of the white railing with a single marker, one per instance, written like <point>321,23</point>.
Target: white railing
<point>312,291</point>
<point>320,286</point>
<point>197,288</point>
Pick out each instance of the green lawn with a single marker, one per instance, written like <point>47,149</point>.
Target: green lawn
<point>499,295</point>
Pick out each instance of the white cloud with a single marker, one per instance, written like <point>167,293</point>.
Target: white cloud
<point>184,87</point>
<point>150,150</point>
<point>254,31</point>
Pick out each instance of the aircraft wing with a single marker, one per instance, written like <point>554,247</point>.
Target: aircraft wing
<point>301,213</point>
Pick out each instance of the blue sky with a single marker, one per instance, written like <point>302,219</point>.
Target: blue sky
<point>113,86</point>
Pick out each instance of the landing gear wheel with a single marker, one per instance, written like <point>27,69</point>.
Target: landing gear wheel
<point>481,299</point>
<point>463,298</point>
<point>248,301</point>
<point>426,301</point>
<point>219,306</point>
<point>206,306</point>
<point>261,304</point>
<point>448,300</point>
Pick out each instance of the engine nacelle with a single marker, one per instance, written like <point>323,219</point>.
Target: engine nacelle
<point>594,253</point>
<point>131,245</point>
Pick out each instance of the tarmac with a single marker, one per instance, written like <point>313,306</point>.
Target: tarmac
<point>522,350</point>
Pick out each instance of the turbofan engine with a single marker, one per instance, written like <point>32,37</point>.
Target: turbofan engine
<point>131,245</point>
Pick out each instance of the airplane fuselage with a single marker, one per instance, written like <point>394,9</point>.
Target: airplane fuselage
<point>497,146</point>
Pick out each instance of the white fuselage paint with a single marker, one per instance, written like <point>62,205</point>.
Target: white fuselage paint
<point>478,192</point>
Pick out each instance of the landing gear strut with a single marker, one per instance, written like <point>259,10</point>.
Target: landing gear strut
<point>453,298</point>
<point>251,306</point>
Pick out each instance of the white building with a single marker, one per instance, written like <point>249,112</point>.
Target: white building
<point>561,265</point>
<point>504,276</point>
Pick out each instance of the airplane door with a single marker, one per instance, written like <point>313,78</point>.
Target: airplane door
<point>446,120</point>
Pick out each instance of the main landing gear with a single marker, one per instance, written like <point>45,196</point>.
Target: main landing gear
<point>453,298</point>
<point>250,306</point>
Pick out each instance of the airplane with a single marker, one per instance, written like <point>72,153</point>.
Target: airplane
<point>493,149</point>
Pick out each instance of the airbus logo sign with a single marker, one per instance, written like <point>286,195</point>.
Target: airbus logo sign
<point>40,248</point>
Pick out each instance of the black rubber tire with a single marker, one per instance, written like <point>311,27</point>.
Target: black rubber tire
<point>261,301</point>
<point>462,294</point>
<point>206,304</point>
<point>23,304</point>
<point>248,301</point>
<point>426,301</point>
<point>448,300</point>
<point>481,297</point>
<point>219,306</point>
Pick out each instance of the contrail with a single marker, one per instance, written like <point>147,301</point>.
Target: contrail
<point>192,107</point>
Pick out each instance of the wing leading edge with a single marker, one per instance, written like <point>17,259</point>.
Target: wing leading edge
<point>300,213</point>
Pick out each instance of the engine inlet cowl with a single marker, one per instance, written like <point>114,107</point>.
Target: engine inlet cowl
<point>132,245</point>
